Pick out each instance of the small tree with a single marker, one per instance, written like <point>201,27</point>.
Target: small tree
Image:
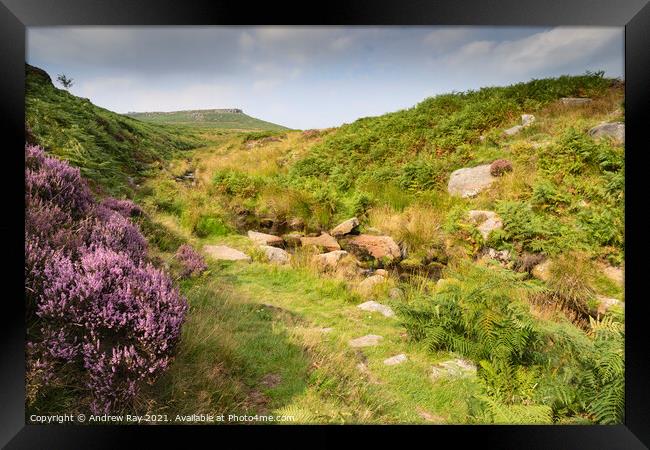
<point>64,80</point>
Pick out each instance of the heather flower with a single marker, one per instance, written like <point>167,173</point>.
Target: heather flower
<point>126,208</point>
<point>500,166</point>
<point>191,262</point>
<point>111,230</point>
<point>98,315</point>
<point>55,181</point>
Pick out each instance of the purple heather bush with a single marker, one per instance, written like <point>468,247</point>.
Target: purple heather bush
<point>191,262</point>
<point>500,166</point>
<point>126,208</point>
<point>99,316</point>
<point>112,230</point>
<point>54,181</point>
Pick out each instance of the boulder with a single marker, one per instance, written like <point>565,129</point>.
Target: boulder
<point>613,130</point>
<point>485,221</point>
<point>368,340</point>
<point>225,253</point>
<point>265,239</point>
<point>323,241</point>
<point>275,255</point>
<point>453,368</point>
<point>329,260</point>
<point>542,271</point>
<point>502,256</point>
<point>373,306</point>
<point>615,274</point>
<point>366,286</point>
<point>512,131</point>
<point>574,101</point>
<point>394,360</point>
<point>382,272</point>
<point>378,247</point>
<point>469,181</point>
<point>345,227</point>
<point>395,293</point>
<point>527,120</point>
<point>604,303</point>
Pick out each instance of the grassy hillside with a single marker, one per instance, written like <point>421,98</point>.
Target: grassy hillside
<point>267,338</point>
<point>109,148</point>
<point>385,168</point>
<point>207,118</point>
<point>540,358</point>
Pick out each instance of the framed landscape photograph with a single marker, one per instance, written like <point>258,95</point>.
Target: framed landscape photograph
<point>395,219</point>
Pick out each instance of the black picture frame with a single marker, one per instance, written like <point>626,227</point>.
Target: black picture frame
<point>16,15</point>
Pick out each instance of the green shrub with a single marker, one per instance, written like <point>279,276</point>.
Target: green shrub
<point>210,226</point>
<point>166,198</point>
<point>234,183</point>
<point>548,196</point>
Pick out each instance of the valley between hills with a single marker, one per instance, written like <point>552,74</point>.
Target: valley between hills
<point>460,261</point>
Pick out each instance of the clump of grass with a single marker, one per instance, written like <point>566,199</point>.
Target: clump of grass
<point>571,282</point>
<point>417,229</point>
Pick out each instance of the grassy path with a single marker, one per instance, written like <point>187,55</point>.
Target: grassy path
<point>270,339</point>
<point>274,340</point>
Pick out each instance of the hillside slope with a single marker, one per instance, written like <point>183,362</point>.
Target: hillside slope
<point>208,118</point>
<point>108,148</point>
<point>519,322</point>
<point>533,304</point>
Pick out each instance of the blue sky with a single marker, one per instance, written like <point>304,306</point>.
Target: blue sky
<point>309,77</point>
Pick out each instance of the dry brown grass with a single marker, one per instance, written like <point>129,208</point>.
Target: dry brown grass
<point>555,117</point>
<point>266,159</point>
<point>416,229</point>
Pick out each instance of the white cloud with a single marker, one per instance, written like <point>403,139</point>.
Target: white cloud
<point>545,50</point>
<point>265,84</point>
<point>124,95</point>
<point>444,39</point>
<point>246,41</point>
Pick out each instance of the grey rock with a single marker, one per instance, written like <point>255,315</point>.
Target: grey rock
<point>527,120</point>
<point>395,293</point>
<point>367,285</point>
<point>453,368</point>
<point>225,253</point>
<point>345,227</point>
<point>574,101</point>
<point>329,260</point>
<point>605,303</point>
<point>514,130</point>
<point>613,130</point>
<point>275,255</point>
<point>469,181</point>
<point>615,274</point>
<point>395,360</point>
<point>486,221</point>
<point>265,239</point>
<point>369,340</point>
<point>374,306</point>
<point>502,256</point>
<point>542,271</point>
